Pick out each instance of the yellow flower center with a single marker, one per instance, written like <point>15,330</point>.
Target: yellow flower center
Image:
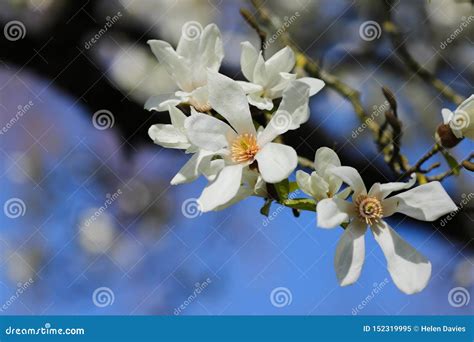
<point>200,107</point>
<point>369,209</point>
<point>244,148</point>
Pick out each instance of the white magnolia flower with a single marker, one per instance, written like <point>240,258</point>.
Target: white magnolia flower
<point>322,183</point>
<point>238,142</point>
<point>197,51</point>
<point>268,79</point>
<point>174,136</point>
<point>409,269</point>
<point>461,121</point>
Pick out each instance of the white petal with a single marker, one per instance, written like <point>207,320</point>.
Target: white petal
<point>190,171</point>
<point>447,115</point>
<point>426,202</point>
<point>242,194</point>
<point>177,117</point>
<point>168,136</point>
<point>324,159</point>
<point>211,51</point>
<point>381,191</point>
<point>260,102</point>
<point>260,75</point>
<point>229,100</point>
<point>467,105</point>
<point>248,60</point>
<point>295,102</point>
<point>279,124</point>
<point>282,61</point>
<point>277,87</point>
<point>223,189</point>
<point>350,253</point>
<point>333,211</point>
<point>351,177</point>
<point>409,269</point>
<point>276,162</point>
<point>208,132</point>
<point>249,87</point>
<point>304,182</point>
<point>315,84</point>
<point>175,65</point>
<point>161,102</point>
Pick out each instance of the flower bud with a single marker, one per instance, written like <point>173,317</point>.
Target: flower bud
<point>446,137</point>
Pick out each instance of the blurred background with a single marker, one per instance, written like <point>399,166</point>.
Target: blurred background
<point>90,224</point>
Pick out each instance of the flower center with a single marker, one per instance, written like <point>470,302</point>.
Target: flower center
<point>200,107</point>
<point>369,209</point>
<point>244,148</point>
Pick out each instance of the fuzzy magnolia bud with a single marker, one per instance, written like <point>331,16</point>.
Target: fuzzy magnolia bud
<point>446,137</point>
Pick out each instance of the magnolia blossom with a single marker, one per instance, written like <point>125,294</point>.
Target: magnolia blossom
<point>461,121</point>
<point>268,79</point>
<point>238,143</point>
<point>409,269</point>
<point>174,136</point>
<point>322,183</point>
<point>197,51</point>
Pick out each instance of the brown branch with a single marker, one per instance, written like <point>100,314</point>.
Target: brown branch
<point>398,42</point>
